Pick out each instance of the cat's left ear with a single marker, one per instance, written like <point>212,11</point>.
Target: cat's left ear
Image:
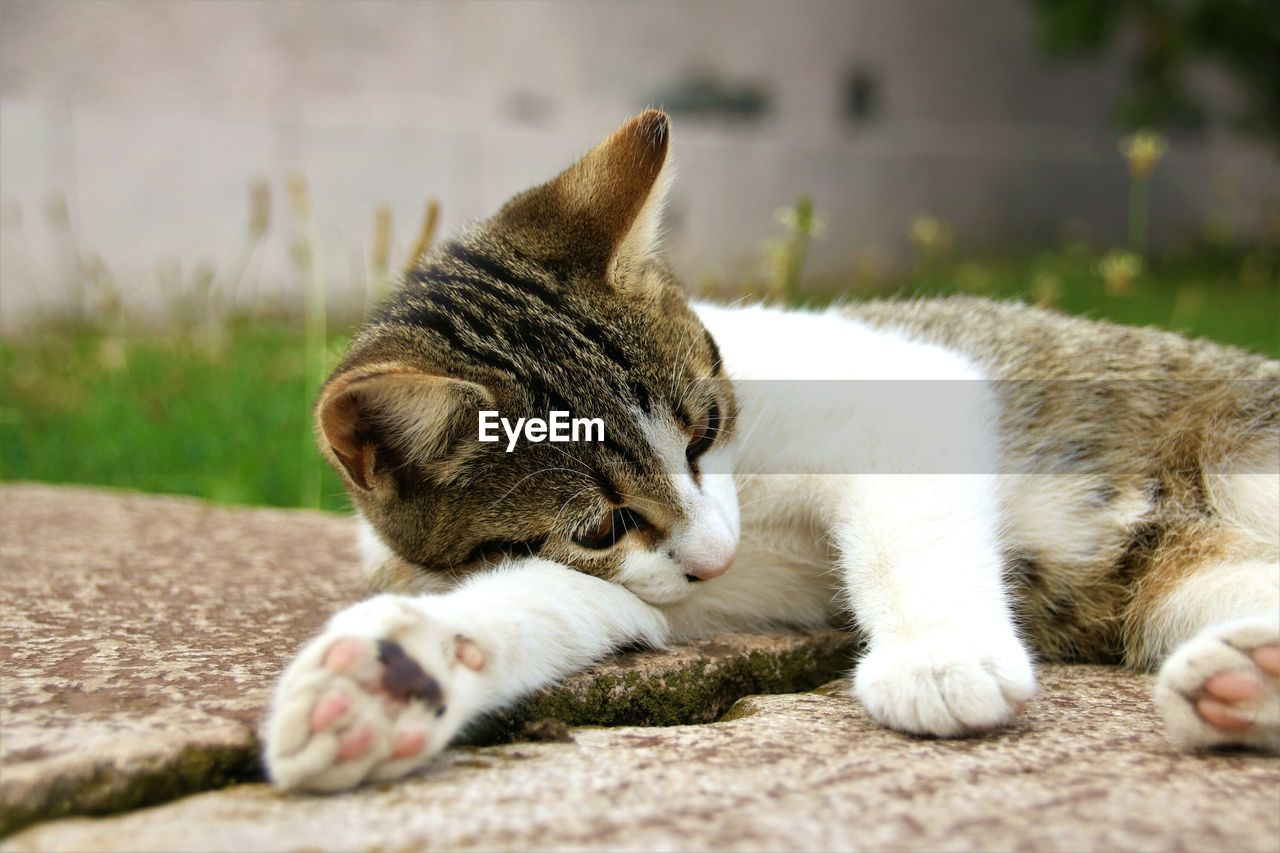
<point>607,207</point>
<point>376,419</point>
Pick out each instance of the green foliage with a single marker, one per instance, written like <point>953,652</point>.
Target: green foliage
<point>1240,37</point>
<point>226,419</point>
<point>787,255</point>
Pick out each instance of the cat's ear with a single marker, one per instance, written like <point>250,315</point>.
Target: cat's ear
<point>375,420</point>
<point>622,184</point>
<point>606,209</point>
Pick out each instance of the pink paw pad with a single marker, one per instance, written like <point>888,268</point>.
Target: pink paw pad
<point>327,711</point>
<point>1267,659</point>
<point>469,655</point>
<point>408,744</point>
<point>1232,686</point>
<point>343,655</point>
<point>1223,690</point>
<point>1220,714</point>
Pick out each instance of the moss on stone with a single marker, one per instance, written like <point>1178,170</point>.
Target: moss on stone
<point>108,789</point>
<point>839,687</point>
<point>741,709</point>
<point>698,691</point>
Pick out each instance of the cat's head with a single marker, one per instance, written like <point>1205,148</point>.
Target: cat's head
<point>559,302</point>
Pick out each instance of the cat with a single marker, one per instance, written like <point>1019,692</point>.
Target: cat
<point>1089,491</point>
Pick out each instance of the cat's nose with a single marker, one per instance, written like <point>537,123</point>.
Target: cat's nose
<point>705,571</point>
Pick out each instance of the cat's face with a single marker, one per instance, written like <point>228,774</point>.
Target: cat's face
<point>558,303</point>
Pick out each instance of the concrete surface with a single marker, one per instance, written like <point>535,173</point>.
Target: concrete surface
<point>139,637</point>
<point>1086,770</point>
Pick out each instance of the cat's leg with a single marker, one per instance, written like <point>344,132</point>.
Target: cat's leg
<point>391,680</point>
<point>922,567</point>
<point>1220,683</point>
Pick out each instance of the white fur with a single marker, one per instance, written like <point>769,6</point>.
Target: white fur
<point>1250,501</point>
<point>707,540</point>
<point>374,553</point>
<point>917,536</point>
<point>1213,595</point>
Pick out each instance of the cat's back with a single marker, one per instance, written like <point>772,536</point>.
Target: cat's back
<point>1081,395</point>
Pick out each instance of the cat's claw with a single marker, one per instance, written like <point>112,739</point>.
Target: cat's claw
<point>945,687</point>
<point>1222,688</point>
<point>368,700</point>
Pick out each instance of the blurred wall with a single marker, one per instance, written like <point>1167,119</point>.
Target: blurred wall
<point>146,122</point>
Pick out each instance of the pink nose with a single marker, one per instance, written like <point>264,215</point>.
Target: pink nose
<point>707,571</point>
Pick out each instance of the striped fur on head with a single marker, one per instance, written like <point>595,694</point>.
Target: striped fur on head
<point>558,302</point>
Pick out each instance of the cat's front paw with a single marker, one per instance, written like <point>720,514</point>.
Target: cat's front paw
<point>945,686</point>
<point>1222,687</point>
<point>369,699</point>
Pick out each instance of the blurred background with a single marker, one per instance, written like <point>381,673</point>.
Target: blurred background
<point>201,200</point>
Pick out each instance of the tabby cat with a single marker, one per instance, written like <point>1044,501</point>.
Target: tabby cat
<point>1058,486</point>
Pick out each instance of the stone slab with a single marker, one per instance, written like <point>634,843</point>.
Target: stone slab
<point>140,638</point>
<point>1086,769</point>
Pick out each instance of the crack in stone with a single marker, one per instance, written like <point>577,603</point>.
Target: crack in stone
<point>697,685</point>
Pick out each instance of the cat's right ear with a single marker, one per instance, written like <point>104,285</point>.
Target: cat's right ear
<point>373,421</point>
<point>604,211</point>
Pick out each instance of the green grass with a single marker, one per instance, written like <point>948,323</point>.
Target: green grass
<point>227,418</point>
<point>229,422</point>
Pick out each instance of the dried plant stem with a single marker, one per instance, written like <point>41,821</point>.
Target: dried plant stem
<point>792,252</point>
<point>380,257</point>
<point>68,252</point>
<point>796,260</point>
<point>307,261</point>
<point>1139,212</point>
<point>259,225</point>
<point>1142,150</point>
<point>426,235</point>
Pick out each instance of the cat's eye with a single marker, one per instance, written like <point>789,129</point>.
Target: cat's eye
<point>612,527</point>
<point>705,432</point>
<point>493,550</point>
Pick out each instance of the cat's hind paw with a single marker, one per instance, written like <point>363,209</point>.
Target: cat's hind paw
<point>368,700</point>
<point>945,687</point>
<point>1222,687</point>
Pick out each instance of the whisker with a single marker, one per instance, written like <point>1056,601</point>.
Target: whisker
<point>536,473</point>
